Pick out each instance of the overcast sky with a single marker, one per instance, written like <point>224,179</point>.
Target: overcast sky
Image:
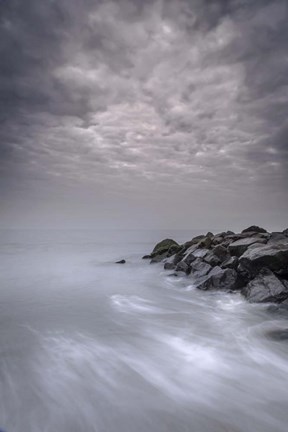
<point>144,114</point>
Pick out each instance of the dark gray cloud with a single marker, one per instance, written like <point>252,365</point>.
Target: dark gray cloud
<point>126,102</point>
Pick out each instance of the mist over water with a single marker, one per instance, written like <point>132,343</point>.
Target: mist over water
<point>87,345</point>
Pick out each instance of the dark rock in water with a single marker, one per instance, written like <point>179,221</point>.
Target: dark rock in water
<point>199,268</point>
<point>219,279</point>
<point>231,262</point>
<point>238,247</point>
<point>285,232</point>
<point>279,308</point>
<point>159,257</point>
<point>217,255</point>
<point>163,247</point>
<point>265,288</point>
<point>273,256</point>
<point>120,262</point>
<point>254,228</point>
<point>278,334</point>
<point>183,267</point>
<point>146,257</point>
<point>169,266</point>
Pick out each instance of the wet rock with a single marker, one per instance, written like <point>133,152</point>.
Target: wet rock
<point>218,254</point>
<point>158,258</point>
<point>219,279</point>
<point>205,243</point>
<point>200,253</point>
<point>277,237</point>
<point>209,234</point>
<point>265,288</point>
<point>183,267</point>
<point>231,262</point>
<point>169,266</point>
<point>238,247</point>
<point>163,247</point>
<point>254,228</point>
<point>217,240</point>
<point>120,262</point>
<point>273,256</point>
<point>200,268</point>
<point>146,257</point>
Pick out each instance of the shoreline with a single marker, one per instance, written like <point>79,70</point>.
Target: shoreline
<point>253,262</point>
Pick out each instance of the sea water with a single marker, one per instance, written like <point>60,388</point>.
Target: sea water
<point>90,345</point>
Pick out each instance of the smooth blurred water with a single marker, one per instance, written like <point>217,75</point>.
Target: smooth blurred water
<point>88,345</point>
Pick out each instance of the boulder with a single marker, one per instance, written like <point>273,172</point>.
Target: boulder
<point>206,242</point>
<point>285,232</point>
<point>254,228</point>
<point>217,240</point>
<point>219,279</point>
<point>169,266</point>
<point>238,247</point>
<point>273,256</point>
<point>120,262</point>
<point>231,262</point>
<point>200,253</point>
<point>277,237</point>
<point>200,268</point>
<point>158,258</point>
<point>217,255</point>
<point>163,247</point>
<point>146,257</point>
<point>265,288</point>
<point>209,234</point>
<point>183,267</point>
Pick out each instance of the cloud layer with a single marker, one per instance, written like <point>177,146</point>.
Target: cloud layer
<point>116,106</point>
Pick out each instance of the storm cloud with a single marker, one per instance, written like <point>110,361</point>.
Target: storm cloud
<point>132,113</point>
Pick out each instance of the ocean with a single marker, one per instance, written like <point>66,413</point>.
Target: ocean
<point>88,345</point>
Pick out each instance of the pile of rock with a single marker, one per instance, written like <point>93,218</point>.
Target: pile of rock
<point>253,261</point>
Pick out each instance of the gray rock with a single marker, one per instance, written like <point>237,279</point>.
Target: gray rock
<point>238,247</point>
<point>231,263</point>
<point>120,262</point>
<point>254,228</point>
<point>285,232</point>
<point>146,257</point>
<point>265,288</point>
<point>163,247</point>
<point>159,258</point>
<point>200,253</point>
<point>217,240</point>
<point>209,234</point>
<point>219,279</point>
<point>273,256</point>
<point>277,237</point>
<point>169,266</point>
<point>217,255</point>
<point>199,268</point>
<point>183,267</point>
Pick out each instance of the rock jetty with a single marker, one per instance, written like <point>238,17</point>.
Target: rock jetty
<point>254,262</point>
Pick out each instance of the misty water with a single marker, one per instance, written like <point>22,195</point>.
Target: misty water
<point>88,345</point>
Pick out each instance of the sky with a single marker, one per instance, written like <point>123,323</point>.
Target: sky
<point>144,114</point>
